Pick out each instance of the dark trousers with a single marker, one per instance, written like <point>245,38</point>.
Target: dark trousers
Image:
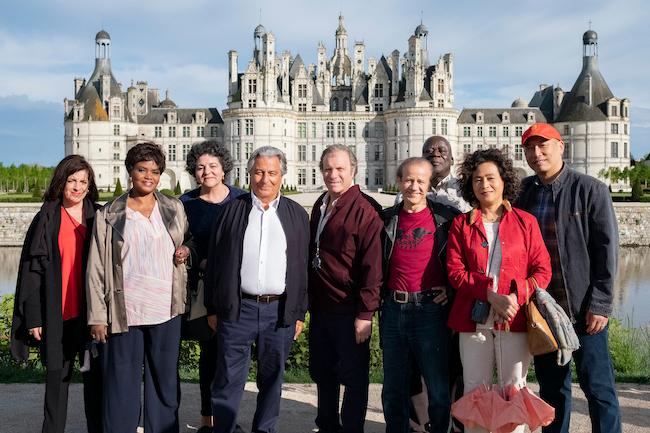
<point>336,359</point>
<point>596,377</point>
<point>207,368</point>
<point>123,356</point>
<point>258,323</point>
<point>420,331</point>
<point>57,382</point>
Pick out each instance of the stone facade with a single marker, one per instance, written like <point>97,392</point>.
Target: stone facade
<point>382,108</point>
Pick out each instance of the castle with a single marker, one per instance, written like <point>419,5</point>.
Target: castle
<point>382,108</point>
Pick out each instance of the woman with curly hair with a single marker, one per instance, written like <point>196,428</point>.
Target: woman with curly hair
<point>495,258</point>
<point>50,306</point>
<point>210,163</point>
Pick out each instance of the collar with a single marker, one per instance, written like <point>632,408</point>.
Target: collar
<point>443,182</point>
<point>258,203</point>
<point>557,182</point>
<point>475,214</point>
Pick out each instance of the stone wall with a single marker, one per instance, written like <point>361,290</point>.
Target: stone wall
<point>633,222</point>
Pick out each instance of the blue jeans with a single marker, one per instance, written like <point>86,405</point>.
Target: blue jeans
<point>419,331</point>
<point>596,377</point>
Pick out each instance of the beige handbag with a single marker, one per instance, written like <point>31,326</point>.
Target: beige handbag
<point>540,338</point>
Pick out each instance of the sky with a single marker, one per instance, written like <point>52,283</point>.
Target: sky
<point>502,50</point>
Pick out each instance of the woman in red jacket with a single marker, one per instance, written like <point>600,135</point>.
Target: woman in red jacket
<point>495,254</point>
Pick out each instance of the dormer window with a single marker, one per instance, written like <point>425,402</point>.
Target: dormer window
<point>505,117</point>
<point>614,111</point>
<point>531,117</point>
<point>479,117</point>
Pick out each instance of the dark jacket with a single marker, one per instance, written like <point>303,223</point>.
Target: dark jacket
<point>38,289</point>
<point>523,256</point>
<point>587,236</point>
<point>443,215</point>
<point>222,280</point>
<point>349,280</point>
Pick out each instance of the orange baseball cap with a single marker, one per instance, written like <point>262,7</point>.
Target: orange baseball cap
<point>541,130</point>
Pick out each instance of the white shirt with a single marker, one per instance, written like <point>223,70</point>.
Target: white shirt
<point>493,265</point>
<point>264,258</point>
<point>447,191</point>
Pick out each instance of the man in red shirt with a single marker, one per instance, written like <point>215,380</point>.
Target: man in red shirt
<point>414,312</point>
<point>344,282</point>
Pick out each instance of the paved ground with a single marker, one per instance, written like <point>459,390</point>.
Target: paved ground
<point>21,408</point>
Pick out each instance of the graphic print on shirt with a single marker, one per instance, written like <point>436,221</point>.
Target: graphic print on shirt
<point>409,239</point>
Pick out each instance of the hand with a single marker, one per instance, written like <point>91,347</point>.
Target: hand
<point>181,254</point>
<point>212,322</point>
<point>595,323</point>
<point>362,329</point>
<point>441,298</point>
<point>299,325</point>
<point>36,333</point>
<point>504,305</point>
<point>99,333</point>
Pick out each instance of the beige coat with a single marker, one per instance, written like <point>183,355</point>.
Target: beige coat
<point>104,279</point>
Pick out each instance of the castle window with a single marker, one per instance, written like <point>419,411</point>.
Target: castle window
<point>614,149</point>
<point>237,150</point>
<point>467,131</point>
<point>302,152</point>
<point>379,177</point>
<point>213,131</point>
<point>313,176</point>
<point>157,131</point>
<point>441,85</point>
<point>519,131</point>
<point>625,128</point>
<point>116,156</point>
<point>479,131</point>
<point>172,133</point>
<point>614,111</point>
<point>614,128</point>
<point>302,90</point>
<point>443,126</point>
<point>625,111</point>
<point>467,148</point>
<point>492,131</point>
<point>379,107</point>
<point>249,126</point>
<point>171,152</point>
<point>519,152</point>
<point>116,129</point>
<point>248,151</point>
<point>116,169</point>
<point>506,131</point>
<point>340,130</point>
<point>186,131</point>
<point>441,103</point>
<point>352,130</point>
<point>434,129</point>
<point>200,131</point>
<point>334,104</point>
<point>302,130</point>
<point>186,150</point>
<point>313,130</point>
<point>379,90</point>
<point>252,103</point>
<point>625,150</point>
<point>330,130</point>
<point>346,104</point>
<point>302,176</point>
<point>252,86</point>
<point>302,107</point>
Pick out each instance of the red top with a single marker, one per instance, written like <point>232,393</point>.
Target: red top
<point>524,255</point>
<point>413,265</point>
<point>71,243</point>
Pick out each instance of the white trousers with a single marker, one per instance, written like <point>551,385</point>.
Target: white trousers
<point>480,354</point>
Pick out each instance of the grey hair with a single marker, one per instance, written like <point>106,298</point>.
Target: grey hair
<point>341,148</point>
<point>268,151</point>
<point>411,161</point>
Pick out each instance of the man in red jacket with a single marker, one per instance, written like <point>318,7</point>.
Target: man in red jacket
<point>344,282</point>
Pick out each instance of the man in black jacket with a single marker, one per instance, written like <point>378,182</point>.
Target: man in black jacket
<point>256,290</point>
<point>578,224</point>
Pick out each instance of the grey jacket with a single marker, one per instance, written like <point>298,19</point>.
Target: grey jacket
<point>104,279</point>
<point>587,236</point>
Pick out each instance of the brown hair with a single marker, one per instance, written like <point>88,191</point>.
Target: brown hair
<point>65,168</point>
<point>145,151</point>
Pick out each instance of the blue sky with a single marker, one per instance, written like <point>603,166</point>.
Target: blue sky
<point>502,50</point>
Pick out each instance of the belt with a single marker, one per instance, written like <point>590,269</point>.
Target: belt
<point>264,299</point>
<point>413,297</point>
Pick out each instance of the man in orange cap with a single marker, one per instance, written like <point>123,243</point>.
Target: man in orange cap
<point>578,224</point>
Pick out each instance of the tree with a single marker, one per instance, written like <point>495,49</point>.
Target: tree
<point>636,175</point>
<point>118,189</point>
<point>177,190</point>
